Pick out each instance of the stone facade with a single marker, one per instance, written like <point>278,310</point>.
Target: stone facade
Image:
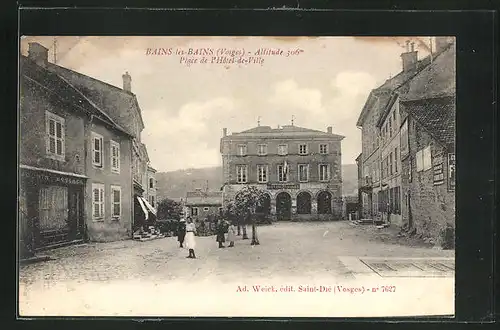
<point>429,201</point>
<point>107,227</point>
<point>122,107</point>
<point>417,114</point>
<point>57,174</point>
<point>293,197</point>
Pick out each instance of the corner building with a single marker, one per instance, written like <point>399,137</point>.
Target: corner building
<point>298,168</point>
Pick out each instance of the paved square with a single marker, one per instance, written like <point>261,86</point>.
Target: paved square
<point>154,277</point>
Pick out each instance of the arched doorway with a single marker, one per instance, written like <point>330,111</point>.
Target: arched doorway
<point>283,206</point>
<point>304,203</point>
<point>324,202</point>
<point>265,205</point>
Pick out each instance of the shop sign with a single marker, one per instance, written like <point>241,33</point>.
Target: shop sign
<point>46,177</point>
<point>277,186</point>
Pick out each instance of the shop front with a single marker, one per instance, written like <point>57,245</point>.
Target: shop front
<point>51,206</point>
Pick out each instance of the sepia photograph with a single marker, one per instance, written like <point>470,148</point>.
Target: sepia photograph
<point>197,176</point>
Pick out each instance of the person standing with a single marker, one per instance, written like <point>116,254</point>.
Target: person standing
<point>231,234</point>
<point>181,232</point>
<point>190,238</point>
<point>221,230</point>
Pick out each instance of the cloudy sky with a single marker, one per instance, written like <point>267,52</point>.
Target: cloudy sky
<point>185,107</point>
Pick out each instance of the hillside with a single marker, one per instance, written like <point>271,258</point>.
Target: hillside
<point>175,184</point>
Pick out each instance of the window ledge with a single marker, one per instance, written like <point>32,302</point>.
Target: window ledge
<point>60,158</point>
<point>115,219</point>
<point>98,219</point>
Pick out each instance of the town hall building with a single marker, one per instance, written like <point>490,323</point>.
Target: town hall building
<point>298,168</point>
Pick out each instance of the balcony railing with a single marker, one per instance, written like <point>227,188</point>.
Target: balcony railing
<point>366,182</point>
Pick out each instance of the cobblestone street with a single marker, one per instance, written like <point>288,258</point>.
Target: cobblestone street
<point>154,277</point>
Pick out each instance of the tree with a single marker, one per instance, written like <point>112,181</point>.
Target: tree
<point>233,215</point>
<point>169,209</point>
<point>246,202</point>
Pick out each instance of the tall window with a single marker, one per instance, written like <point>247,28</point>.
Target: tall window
<point>396,160</point>
<point>152,201</point>
<point>390,127</point>
<point>194,211</point>
<point>151,183</point>
<point>54,136</point>
<point>324,172</point>
<point>323,149</point>
<point>262,149</point>
<point>97,201</point>
<point>303,172</point>
<point>282,173</point>
<point>97,142</point>
<point>242,150</point>
<point>115,157</point>
<point>241,173</point>
<point>262,173</point>
<point>303,149</point>
<point>424,161</point>
<point>390,163</point>
<point>282,149</point>
<point>116,202</point>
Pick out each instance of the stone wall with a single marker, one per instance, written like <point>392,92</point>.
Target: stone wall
<point>432,206</point>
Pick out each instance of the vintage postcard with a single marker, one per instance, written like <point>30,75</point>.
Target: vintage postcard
<point>236,176</point>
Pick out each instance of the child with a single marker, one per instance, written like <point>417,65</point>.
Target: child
<point>231,234</point>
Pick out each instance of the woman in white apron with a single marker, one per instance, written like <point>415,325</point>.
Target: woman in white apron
<point>190,238</point>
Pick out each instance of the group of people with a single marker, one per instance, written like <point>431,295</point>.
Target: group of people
<point>187,230</point>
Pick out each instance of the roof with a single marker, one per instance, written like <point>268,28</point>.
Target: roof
<point>203,198</point>
<point>151,169</point>
<point>436,115</point>
<point>379,97</point>
<point>436,80</point>
<point>34,74</point>
<point>106,97</point>
<point>283,130</point>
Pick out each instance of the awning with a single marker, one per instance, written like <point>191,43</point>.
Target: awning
<point>149,206</point>
<point>143,207</point>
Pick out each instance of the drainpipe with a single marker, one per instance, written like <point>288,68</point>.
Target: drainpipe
<point>86,230</point>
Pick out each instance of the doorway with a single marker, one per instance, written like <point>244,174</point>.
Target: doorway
<point>325,202</point>
<point>283,206</point>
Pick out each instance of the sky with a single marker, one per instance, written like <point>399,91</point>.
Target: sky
<point>324,82</point>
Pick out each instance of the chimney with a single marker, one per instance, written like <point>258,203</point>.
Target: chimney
<point>127,82</point>
<point>442,43</point>
<point>38,54</point>
<point>409,57</point>
<point>329,129</point>
<point>224,131</point>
